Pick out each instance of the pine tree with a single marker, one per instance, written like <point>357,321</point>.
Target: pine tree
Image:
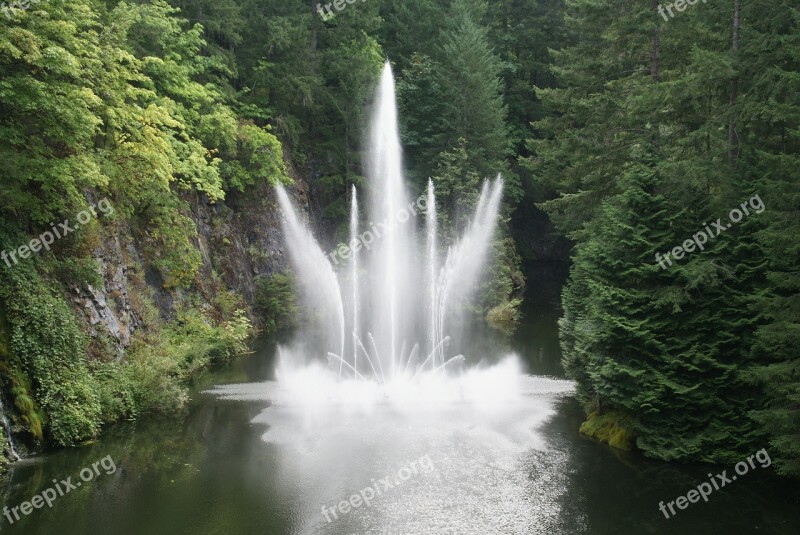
<point>641,108</point>
<point>470,93</point>
<point>769,115</point>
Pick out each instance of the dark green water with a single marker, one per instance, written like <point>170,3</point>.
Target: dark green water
<point>214,471</point>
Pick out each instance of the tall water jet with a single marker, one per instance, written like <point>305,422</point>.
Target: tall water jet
<point>430,225</point>
<point>353,240</point>
<point>317,280</point>
<point>389,200</point>
<point>462,265</point>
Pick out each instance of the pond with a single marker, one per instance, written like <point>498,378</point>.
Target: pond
<point>235,464</point>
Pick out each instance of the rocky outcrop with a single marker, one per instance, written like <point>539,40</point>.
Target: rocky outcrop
<point>239,240</point>
<point>109,309</point>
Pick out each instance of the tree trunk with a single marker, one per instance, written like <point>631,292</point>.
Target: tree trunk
<point>313,167</point>
<point>732,141</point>
<point>654,51</point>
<point>655,56</point>
<point>314,22</point>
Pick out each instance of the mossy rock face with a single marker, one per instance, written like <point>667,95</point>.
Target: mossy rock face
<point>613,428</point>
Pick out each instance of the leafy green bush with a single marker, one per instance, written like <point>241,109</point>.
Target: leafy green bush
<point>115,390</point>
<point>48,349</point>
<point>170,246</point>
<point>29,413</point>
<point>502,287</point>
<point>78,272</point>
<point>614,428</point>
<point>259,158</point>
<point>152,377</point>
<point>505,316</point>
<point>275,302</point>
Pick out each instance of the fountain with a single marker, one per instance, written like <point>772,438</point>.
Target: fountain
<point>372,379</point>
<point>383,318</point>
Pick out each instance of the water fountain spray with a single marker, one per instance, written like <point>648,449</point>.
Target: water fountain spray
<point>400,293</point>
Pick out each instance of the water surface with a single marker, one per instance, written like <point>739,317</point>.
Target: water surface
<point>241,466</point>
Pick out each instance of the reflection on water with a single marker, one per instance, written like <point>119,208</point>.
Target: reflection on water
<point>241,466</point>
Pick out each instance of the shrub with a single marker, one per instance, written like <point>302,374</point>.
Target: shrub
<point>47,349</point>
<point>613,428</point>
<point>505,316</point>
<point>275,302</point>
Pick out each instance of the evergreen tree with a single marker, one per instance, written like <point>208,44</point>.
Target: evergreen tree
<point>769,115</point>
<point>637,102</point>
<point>470,93</point>
<point>410,28</point>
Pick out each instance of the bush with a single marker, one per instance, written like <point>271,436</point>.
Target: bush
<point>115,391</point>
<point>275,302</point>
<point>505,316</point>
<point>613,428</point>
<point>259,159</point>
<point>153,377</point>
<point>47,350</point>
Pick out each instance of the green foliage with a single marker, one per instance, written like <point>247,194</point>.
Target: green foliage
<point>276,303</point>
<point>153,376</point>
<point>47,351</point>
<point>502,287</point>
<point>17,386</point>
<point>409,29</point>
<point>29,414</point>
<point>201,341</point>
<point>169,245</point>
<point>76,272</point>
<point>451,98</point>
<point>644,340</point>
<point>50,114</point>
<point>525,34</point>
<point>114,388</point>
<point>772,113</point>
<point>505,317</point>
<point>63,399</point>
<point>653,132</point>
<point>613,428</point>
<point>471,97</point>
<point>260,158</point>
<point>457,188</point>
<point>311,80</point>
<point>116,100</point>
